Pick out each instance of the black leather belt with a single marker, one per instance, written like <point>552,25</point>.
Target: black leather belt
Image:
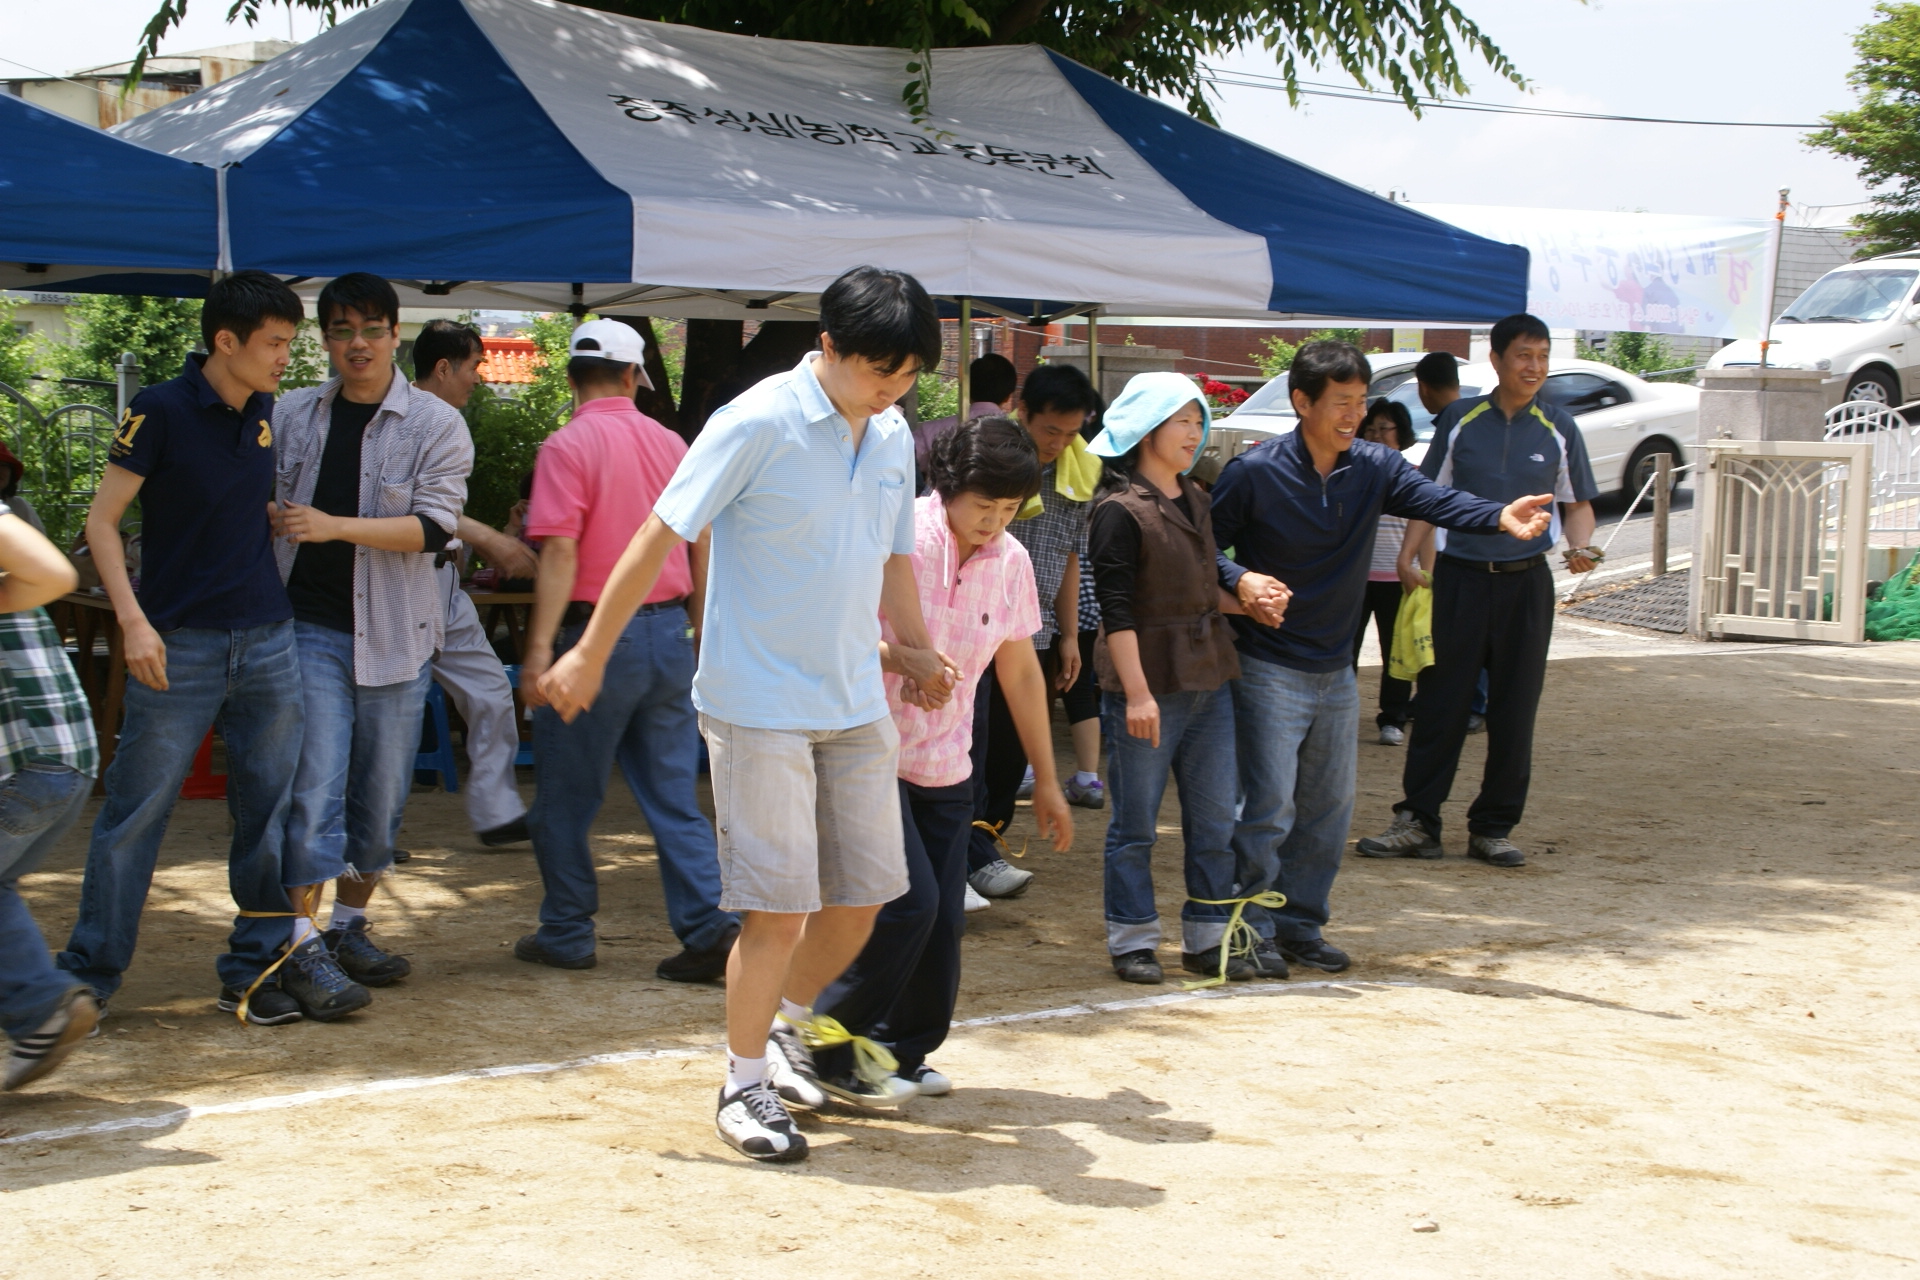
<point>579,611</point>
<point>1497,566</point>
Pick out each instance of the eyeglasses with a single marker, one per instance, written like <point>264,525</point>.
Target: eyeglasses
<point>347,333</point>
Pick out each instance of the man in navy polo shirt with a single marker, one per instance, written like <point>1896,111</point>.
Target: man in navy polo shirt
<point>209,634</point>
<point>1303,509</point>
<point>1492,601</point>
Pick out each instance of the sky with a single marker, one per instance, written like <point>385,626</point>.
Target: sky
<point>1770,60</point>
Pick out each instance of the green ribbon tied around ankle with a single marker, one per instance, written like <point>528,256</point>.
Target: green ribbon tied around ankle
<point>1239,938</point>
<point>872,1061</point>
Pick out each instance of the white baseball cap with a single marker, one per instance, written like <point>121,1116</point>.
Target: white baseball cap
<point>611,340</point>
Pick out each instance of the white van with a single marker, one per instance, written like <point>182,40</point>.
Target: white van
<point>1860,322</point>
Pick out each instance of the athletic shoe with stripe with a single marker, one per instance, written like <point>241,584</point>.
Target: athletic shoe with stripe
<point>790,1067</point>
<point>47,1045</point>
<point>754,1122</point>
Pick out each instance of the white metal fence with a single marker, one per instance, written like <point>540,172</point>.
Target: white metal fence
<point>1894,505</point>
<point>1786,538</point>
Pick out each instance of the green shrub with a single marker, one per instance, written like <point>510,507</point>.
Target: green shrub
<point>508,429</point>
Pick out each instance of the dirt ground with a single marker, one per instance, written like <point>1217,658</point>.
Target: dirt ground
<point>1682,1042</point>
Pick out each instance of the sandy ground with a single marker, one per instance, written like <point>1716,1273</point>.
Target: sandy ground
<point>1681,1043</point>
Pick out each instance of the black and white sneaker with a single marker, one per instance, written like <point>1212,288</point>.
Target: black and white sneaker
<point>47,1045</point>
<point>269,1006</point>
<point>790,1067</point>
<point>882,1091</point>
<point>754,1122</point>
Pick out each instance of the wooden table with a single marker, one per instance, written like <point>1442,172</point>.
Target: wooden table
<point>513,608</point>
<point>88,620</point>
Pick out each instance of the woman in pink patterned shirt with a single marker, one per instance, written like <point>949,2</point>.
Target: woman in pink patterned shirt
<point>978,596</point>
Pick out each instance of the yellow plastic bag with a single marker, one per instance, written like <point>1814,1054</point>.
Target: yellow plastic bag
<point>1412,635</point>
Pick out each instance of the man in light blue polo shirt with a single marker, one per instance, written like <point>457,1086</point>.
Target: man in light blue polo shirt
<point>807,482</point>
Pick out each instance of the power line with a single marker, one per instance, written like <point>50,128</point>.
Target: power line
<point>1307,88</point>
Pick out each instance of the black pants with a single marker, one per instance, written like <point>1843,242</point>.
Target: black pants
<point>1383,607</point>
<point>901,988</point>
<point>999,761</point>
<point>1501,622</point>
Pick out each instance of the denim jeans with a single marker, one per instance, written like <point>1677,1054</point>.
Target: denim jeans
<point>250,680</point>
<point>903,985</point>
<point>1196,750</point>
<point>356,763</point>
<point>1299,746</point>
<point>643,720</point>
<point>38,803</point>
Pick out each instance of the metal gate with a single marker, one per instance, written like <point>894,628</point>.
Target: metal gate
<point>1786,538</point>
<point>1895,505</point>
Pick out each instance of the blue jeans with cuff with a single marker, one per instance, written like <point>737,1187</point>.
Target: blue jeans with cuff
<point>38,804</point>
<point>1299,746</point>
<point>250,681</point>
<point>643,721</point>
<point>1196,751</point>
<point>356,763</point>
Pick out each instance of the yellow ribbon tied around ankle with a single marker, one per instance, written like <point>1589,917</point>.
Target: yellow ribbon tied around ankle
<point>1239,939</point>
<point>872,1061</point>
<point>309,900</point>
<point>994,829</point>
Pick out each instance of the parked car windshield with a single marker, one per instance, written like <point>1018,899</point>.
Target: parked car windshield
<point>1850,297</point>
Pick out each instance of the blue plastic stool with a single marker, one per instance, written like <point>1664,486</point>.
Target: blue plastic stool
<point>439,760</point>
<point>523,758</point>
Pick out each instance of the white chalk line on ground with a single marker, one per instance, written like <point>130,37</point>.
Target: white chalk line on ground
<point>287,1101</point>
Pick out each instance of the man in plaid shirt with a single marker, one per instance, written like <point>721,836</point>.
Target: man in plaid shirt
<point>47,761</point>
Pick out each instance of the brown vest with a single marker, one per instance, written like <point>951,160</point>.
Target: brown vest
<point>1185,642</point>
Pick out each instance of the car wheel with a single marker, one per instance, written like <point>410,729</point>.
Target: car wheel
<point>1875,386</point>
<point>1640,468</point>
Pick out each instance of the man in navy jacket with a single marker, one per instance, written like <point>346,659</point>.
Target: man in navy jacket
<point>1303,509</point>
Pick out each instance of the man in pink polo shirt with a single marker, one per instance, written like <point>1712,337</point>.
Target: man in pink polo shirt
<point>978,598</point>
<point>594,485</point>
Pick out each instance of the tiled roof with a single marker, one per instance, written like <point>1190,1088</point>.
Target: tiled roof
<point>510,360</point>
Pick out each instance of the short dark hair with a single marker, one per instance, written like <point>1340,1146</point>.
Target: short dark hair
<point>596,369</point>
<point>991,456</point>
<point>882,316</point>
<point>447,340</point>
<point>1396,413</point>
<point>1438,369</point>
<point>245,300</point>
<point>1059,388</point>
<point>992,378</point>
<point>1318,363</point>
<point>1514,327</point>
<point>361,291</point>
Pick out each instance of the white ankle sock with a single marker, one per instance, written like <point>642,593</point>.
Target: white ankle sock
<point>742,1072</point>
<point>1083,777</point>
<point>344,915</point>
<point>302,930</point>
<point>795,1013</point>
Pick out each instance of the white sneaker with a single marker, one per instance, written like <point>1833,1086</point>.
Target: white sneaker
<point>928,1082</point>
<point>754,1122</point>
<point>1392,735</point>
<point>790,1067</point>
<point>1026,785</point>
<point>974,901</point>
<point>887,1091</point>
<point>998,880</point>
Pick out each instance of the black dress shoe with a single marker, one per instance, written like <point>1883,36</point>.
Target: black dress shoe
<point>1141,966</point>
<point>1315,953</point>
<point>702,965</point>
<point>514,832</point>
<point>530,950</point>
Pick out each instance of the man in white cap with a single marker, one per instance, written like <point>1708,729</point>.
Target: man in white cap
<point>595,483</point>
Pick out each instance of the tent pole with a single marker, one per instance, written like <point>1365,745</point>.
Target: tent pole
<point>965,357</point>
<point>1093,350</point>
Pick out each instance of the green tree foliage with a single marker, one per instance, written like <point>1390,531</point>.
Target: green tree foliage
<point>508,429</point>
<point>1413,47</point>
<point>18,361</point>
<point>158,331</point>
<point>1276,355</point>
<point>1637,353</point>
<point>1882,133</point>
<point>939,397</point>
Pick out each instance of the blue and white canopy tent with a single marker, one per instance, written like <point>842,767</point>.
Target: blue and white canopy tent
<point>82,211</point>
<point>525,153</point>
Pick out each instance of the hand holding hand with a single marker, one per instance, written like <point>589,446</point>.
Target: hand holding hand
<point>933,672</point>
<point>1052,816</point>
<point>297,523</point>
<point>145,652</point>
<point>571,685</point>
<point>1528,518</point>
<point>1264,598</point>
